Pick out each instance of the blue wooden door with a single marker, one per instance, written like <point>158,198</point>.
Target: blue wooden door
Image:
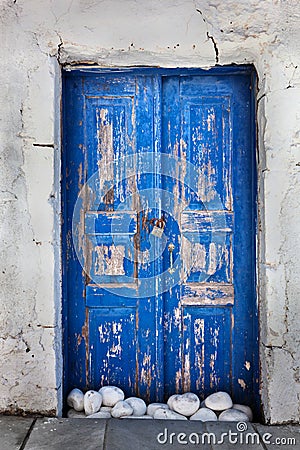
<point>151,149</point>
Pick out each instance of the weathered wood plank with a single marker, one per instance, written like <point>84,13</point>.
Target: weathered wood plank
<point>111,222</point>
<point>208,294</point>
<point>205,221</point>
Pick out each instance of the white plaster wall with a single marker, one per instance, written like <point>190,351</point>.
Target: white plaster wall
<point>36,36</point>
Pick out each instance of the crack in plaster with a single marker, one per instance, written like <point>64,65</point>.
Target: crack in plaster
<point>210,36</point>
<point>286,274</point>
<point>59,47</point>
<point>290,85</point>
<point>215,46</point>
<point>58,18</point>
<point>280,347</point>
<point>21,114</point>
<point>40,341</point>
<point>10,193</point>
<point>261,97</point>
<point>22,133</point>
<point>35,35</point>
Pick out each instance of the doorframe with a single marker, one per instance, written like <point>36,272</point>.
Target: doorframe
<point>217,70</point>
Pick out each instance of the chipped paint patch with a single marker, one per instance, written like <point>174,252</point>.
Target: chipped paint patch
<point>199,356</point>
<point>247,365</point>
<point>242,384</point>
<point>109,260</point>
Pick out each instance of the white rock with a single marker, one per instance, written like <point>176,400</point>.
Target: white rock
<point>186,404</point>
<point>137,417</point>
<point>154,406</point>
<point>218,401</point>
<point>233,415</point>
<point>111,395</point>
<point>75,399</point>
<point>138,405</point>
<point>121,409</point>
<point>167,414</point>
<point>170,401</point>
<point>205,415</point>
<point>92,402</point>
<point>245,409</point>
<point>72,414</point>
<point>100,415</point>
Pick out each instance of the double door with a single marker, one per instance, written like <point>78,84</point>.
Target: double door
<point>159,232</point>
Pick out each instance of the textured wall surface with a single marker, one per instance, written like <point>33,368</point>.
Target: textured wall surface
<point>38,36</point>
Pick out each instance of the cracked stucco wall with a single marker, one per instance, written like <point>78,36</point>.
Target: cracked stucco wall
<point>37,36</point>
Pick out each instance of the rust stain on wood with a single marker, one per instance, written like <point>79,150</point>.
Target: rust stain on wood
<point>78,340</point>
<point>85,336</point>
<point>178,378</point>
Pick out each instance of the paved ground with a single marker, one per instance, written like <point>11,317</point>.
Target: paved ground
<point>17,433</point>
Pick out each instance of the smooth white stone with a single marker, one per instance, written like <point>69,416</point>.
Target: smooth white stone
<point>168,414</point>
<point>92,402</point>
<point>72,414</point>
<point>75,399</point>
<point>170,401</point>
<point>138,405</point>
<point>111,395</point>
<point>219,401</point>
<point>186,404</point>
<point>233,415</point>
<point>137,417</point>
<point>205,415</point>
<point>100,415</point>
<point>154,406</point>
<point>121,409</point>
<point>245,409</point>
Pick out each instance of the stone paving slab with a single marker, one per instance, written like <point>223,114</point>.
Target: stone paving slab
<point>13,431</point>
<point>234,435</point>
<point>67,434</point>
<point>278,437</point>
<point>153,434</point>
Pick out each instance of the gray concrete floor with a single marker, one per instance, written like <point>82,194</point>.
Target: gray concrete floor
<point>18,433</point>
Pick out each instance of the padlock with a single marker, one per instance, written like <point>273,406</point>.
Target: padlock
<point>158,228</point>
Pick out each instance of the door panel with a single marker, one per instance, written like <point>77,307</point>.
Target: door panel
<point>152,318</point>
<point>112,347</point>
<point>205,130</point>
<point>207,353</point>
